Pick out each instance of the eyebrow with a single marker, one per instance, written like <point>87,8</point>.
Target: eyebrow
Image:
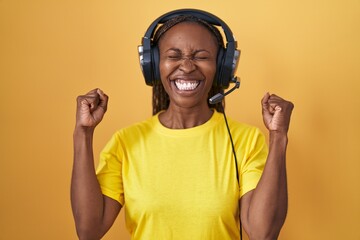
<point>179,51</point>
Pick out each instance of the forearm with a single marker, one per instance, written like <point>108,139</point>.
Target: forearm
<point>268,206</point>
<point>86,196</point>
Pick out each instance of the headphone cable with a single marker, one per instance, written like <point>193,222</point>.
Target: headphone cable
<point>236,165</point>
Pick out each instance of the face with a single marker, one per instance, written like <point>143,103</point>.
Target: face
<point>188,53</point>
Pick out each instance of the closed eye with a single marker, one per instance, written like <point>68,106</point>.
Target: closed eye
<point>201,58</point>
<point>173,54</point>
<point>174,57</point>
<point>198,55</point>
<point>201,55</point>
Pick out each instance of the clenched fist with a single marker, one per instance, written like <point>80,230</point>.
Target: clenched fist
<point>276,113</point>
<point>91,108</point>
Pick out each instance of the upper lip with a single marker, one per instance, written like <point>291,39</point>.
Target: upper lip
<point>185,78</point>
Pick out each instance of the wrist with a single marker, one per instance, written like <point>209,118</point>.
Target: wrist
<point>278,137</point>
<point>81,131</point>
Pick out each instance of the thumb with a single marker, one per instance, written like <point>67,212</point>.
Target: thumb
<point>277,112</point>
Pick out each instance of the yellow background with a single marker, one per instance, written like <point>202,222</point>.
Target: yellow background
<point>51,51</point>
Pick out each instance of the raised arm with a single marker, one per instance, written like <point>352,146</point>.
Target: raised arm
<point>263,210</point>
<point>93,212</point>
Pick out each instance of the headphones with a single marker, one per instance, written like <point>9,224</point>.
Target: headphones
<point>227,59</point>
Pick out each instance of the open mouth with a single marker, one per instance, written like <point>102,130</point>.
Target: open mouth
<point>186,85</point>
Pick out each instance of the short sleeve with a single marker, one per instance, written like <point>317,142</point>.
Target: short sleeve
<point>254,161</point>
<point>109,170</point>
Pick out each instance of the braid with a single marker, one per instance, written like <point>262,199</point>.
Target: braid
<point>160,98</point>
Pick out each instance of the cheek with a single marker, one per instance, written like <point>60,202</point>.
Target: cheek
<point>209,70</point>
<point>210,73</point>
<point>165,69</point>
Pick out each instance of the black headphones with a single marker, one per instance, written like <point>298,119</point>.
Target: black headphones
<point>227,59</point>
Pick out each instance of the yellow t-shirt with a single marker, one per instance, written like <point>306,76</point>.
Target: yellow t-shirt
<point>181,183</point>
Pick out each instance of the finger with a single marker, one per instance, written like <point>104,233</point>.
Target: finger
<point>95,103</point>
<point>92,92</point>
<point>92,98</point>
<point>89,101</point>
<point>265,99</point>
<point>265,103</point>
<point>275,105</point>
<point>276,101</point>
<point>269,104</point>
<point>85,106</point>
<point>274,96</point>
<point>103,99</point>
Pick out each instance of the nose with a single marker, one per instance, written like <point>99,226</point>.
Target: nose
<point>187,65</point>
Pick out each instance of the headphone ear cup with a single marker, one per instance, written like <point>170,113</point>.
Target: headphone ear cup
<point>155,56</point>
<point>146,63</point>
<point>228,61</point>
<point>218,81</point>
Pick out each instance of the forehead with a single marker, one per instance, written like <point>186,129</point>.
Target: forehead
<point>189,33</point>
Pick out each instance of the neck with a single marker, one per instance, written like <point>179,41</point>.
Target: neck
<point>181,118</point>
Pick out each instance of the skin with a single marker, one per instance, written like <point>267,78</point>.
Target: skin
<point>263,210</point>
<point>93,212</point>
<point>185,54</point>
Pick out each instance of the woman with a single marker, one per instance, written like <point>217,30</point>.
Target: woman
<point>174,173</point>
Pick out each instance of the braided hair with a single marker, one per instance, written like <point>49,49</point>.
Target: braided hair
<point>161,99</point>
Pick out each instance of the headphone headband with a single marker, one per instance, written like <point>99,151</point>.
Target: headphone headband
<point>206,16</point>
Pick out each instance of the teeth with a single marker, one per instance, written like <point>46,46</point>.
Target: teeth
<point>186,85</point>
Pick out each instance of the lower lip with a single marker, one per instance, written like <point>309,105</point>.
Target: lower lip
<point>184,92</point>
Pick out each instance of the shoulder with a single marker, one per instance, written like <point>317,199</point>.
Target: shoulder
<point>240,127</point>
<point>243,134</point>
<point>137,128</point>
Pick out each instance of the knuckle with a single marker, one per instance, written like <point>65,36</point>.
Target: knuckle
<point>80,99</point>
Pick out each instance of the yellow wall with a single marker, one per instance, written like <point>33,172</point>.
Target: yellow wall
<point>51,51</point>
